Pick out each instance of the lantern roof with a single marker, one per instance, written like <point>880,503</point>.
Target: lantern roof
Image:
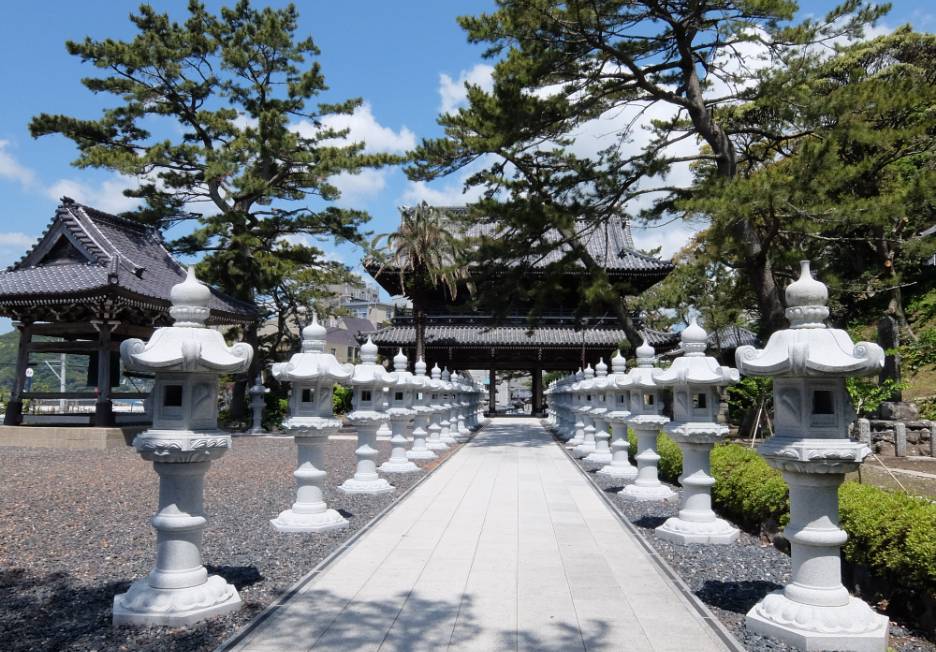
<point>809,347</point>
<point>402,378</point>
<point>368,372</point>
<point>694,367</point>
<point>642,375</point>
<point>187,345</point>
<point>312,363</point>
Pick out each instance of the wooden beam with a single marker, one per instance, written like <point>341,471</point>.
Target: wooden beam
<point>14,408</point>
<point>80,346</point>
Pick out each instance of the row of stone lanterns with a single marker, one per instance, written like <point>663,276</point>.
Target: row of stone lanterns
<point>809,363</point>
<point>187,360</point>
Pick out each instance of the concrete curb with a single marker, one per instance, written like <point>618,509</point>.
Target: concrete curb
<point>723,633</point>
<point>345,546</point>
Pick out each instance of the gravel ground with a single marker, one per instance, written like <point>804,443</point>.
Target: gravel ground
<point>74,531</point>
<point>728,579</point>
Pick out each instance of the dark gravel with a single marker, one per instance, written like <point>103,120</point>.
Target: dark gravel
<point>729,579</point>
<point>74,531</point>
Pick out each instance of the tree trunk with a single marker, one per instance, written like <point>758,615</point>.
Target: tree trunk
<point>419,318</point>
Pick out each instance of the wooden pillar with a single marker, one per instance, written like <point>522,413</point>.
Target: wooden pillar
<point>104,408</point>
<point>14,408</point>
<point>492,391</point>
<point>537,391</point>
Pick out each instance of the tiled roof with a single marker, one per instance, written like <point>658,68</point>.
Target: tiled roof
<point>481,336</point>
<point>88,252</point>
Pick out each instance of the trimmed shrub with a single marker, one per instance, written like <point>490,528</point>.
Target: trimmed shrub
<point>891,534</point>
<point>746,489</point>
<point>341,399</point>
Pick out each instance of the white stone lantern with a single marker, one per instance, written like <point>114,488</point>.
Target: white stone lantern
<point>462,430</point>
<point>620,466</point>
<point>809,363</point>
<point>421,411</point>
<point>436,392</point>
<point>448,402</point>
<point>602,389</point>
<point>187,360</point>
<point>586,391</point>
<point>313,375</point>
<point>646,403</point>
<point>369,382</point>
<point>696,380</point>
<point>400,413</point>
<point>576,403</point>
<point>257,403</point>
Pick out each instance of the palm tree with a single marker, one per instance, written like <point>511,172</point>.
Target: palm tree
<point>427,253</point>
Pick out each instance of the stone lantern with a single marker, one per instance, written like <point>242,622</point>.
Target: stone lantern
<point>646,403</point>
<point>462,431</point>
<point>369,382</point>
<point>448,412</point>
<point>602,388</point>
<point>620,466</point>
<point>696,380</point>
<point>400,413</point>
<point>257,403</point>
<point>436,389</point>
<point>809,363</point>
<point>576,401</point>
<point>421,411</point>
<point>187,360</point>
<point>313,375</point>
<point>586,390</point>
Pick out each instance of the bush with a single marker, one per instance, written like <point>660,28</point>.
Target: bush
<point>746,489</point>
<point>891,534</point>
<point>341,399</point>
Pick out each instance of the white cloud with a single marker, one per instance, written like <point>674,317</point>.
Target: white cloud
<point>453,92</point>
<point>106,196</point>
<point>451,194</point>
<point>669,237</point>
<point>363,185</point>
<point>16,240</point>
<point>12,169</point>
<point>363,126</point>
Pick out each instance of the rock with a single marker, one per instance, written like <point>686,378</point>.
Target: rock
<point>898,411</point>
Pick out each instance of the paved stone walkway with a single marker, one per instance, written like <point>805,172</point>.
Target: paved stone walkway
<point>505,547</point>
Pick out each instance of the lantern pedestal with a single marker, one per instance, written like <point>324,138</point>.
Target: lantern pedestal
<point>602,452</point>
<point>398,462</point>
<point>310,513</point>
<point>696,522</point>
<point>435,442</point>
<point>647,486</point>
<point>578,430</point>
<point>366,480</point>
<point>178,591</point>
<point>587,447</point>
<point>420,450</point>
<point>814,611</point>
<point>620,467</point>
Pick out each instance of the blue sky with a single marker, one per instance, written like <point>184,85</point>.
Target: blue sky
<point>406,59</point>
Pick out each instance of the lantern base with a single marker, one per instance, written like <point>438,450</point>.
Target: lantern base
<point>437,445</point>
<point>290,521</point>
<point>854,626</point>
<point>425,454</point>
<point>599,457</point>
<point>583,450</point>
<point>646,494</point>
<point>397,466</point>
<point>716,531</point>
<point>375,486</point>
<point>619,472</point>
<point>144,605</point>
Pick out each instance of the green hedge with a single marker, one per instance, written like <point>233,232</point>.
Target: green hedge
<point>891,534</point>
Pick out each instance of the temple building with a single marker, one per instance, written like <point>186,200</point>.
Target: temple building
<point>463,339</point>
<point>91,281</point>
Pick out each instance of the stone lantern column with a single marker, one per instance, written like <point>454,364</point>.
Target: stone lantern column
<point>400,412</point>
<point>187,360</point>
<point>602,386</point>
<point>463,432</point>
<point>809,363</point>
<point>448,421</point>
<point>588,404</point>
<point>369,381</point>
<point>646,403</point>
<point>257,403</point>
<point>696,380</point>
<point>421,409</point>
<point>311,420</point>
<point>620,466</point>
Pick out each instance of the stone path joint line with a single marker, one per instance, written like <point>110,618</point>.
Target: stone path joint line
<point>505,547</point>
